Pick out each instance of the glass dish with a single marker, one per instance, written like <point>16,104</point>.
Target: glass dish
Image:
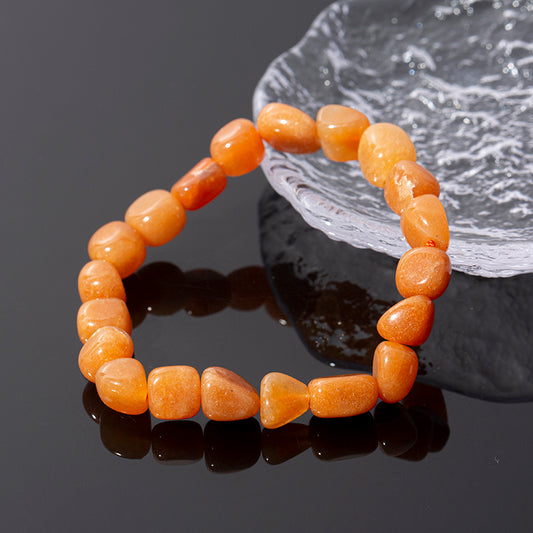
<point>458,77</point>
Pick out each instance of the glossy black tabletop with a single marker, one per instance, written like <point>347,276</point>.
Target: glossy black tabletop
<point>102,101</point>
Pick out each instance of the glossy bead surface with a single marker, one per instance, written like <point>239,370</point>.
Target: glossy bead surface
<point>283,399</point>
<point>226,396</point>
<point>237,147</point>
<point>105,344</point>
<point>288,129</point>
<point>120,245</point>
<point>339,129</point>
<point>383,145</point>
<point>121,385</point>
<point>340,396</point>
<point>100,279</point>
<point>424,271</point>
<point>408,322</point>
<point>202,184</point>
<point>174,392</point>
<point>424,223</point>
<point>394,367</point>
<point>406,181</point>
<point>157,216</point>
<point>95,314</point>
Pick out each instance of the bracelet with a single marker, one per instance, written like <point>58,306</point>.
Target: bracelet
<point>386,157</point>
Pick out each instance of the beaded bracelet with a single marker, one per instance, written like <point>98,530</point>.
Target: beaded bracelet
<point>387,159</point>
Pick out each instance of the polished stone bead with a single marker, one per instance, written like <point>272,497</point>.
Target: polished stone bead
<point>100,279</point>
<point>425,270</point>
<point>340,396</point>
<point>157,216</point>
<point>120,245</point>
<point>339,129</point>
<point>174,392</point>
<point>95,314</point>
<point>283,399</point>
<point>226,396</point>
<point>408,322</point>
<point>237,147</point>
<point>383,145</point>
<point>394,367</point>
<point>406,181</point>
<point>105,344</point>
<point>122,386</point>
<point>202,184</point>
<point>288,129</point>
<point>424,223</point>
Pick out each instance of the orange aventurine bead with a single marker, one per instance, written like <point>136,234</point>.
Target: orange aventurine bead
<point>424,220</point>
<point>341,396</point>
<point>174,392</point>
<point>121,385</point>
<point>408,322</point>
<point>96,314</point>
<point>406,181</point>
<point>100,279</point>
<point>394,367</point>
<point>283,399</point>
<point>157,216</point>
<point>237,147</point>
<point>381,146</point>
<point>288,129</point>
<point>226,396</point>
<point>339,129</point>
<point>120,245</point>
<point>105,344</point>
<point>203,183</point>
<point>424,270</point>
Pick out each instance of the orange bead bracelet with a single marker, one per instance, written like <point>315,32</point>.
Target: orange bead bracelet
<point>387,159</point>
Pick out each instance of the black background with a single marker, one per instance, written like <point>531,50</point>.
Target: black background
<point>99,102</point>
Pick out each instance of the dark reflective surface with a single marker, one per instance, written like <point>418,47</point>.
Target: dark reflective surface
<point>481,341</point>
<point>103,101</point>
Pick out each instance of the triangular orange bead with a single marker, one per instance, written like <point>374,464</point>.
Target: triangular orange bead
<point>408,322</point>
<point>283,399</point>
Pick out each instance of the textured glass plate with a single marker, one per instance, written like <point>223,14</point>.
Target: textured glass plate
<point>458,77</point>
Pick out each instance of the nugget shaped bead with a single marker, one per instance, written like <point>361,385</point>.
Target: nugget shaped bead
<point>95,314</point>
<point>226,396</point>
<point>341,396</point>
<point>237,147</point>
<point>120,245</point>
<point>394,367</point>
<point>105,344</point>
<point>100,279</point>
<point>121,385</point>
<point>174,392</point>
<point>425,271</point>
<point>288,129</point>
<point>339,129</point>
<point>406,181</point>
<point>424,223</point>
<point>408,322</point>
<point>283,399</point>
<point>382,145</point>
<point>157,216</point>
<point>202,184</point>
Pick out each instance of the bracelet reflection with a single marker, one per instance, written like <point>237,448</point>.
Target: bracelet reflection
<point>408,431</point>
